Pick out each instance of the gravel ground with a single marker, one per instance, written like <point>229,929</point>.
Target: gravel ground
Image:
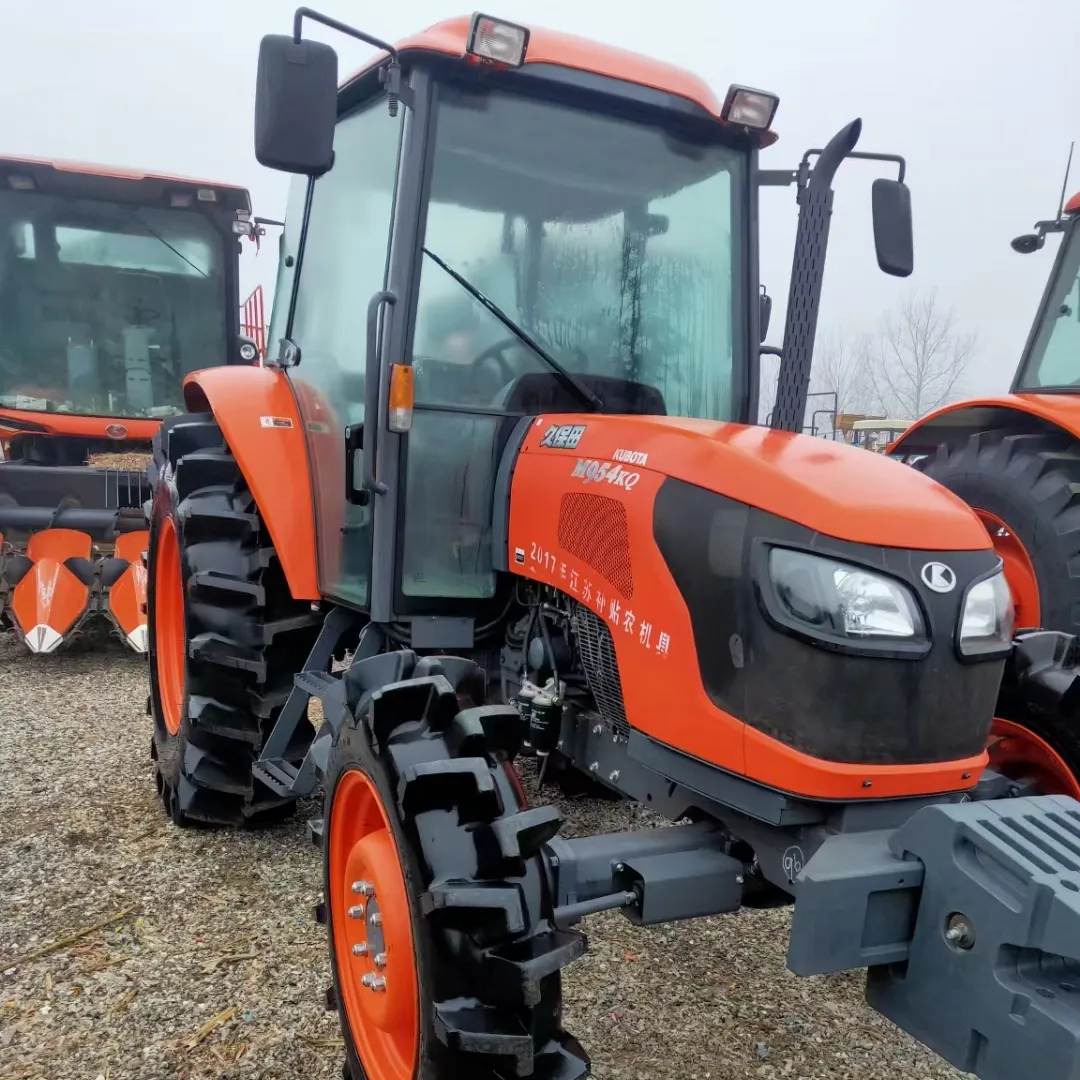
<point>131,949</point>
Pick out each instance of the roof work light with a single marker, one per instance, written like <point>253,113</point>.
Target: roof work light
<point>498,41</point>
<point>749,108</point>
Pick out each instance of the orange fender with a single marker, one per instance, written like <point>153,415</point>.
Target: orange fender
<point>127,594</point>
<point>257,413</point>
<point>50,599</point>
<point>1057,410</point>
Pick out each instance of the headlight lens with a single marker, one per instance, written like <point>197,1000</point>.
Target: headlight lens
<point>986,624</point>
<point>837,599</point>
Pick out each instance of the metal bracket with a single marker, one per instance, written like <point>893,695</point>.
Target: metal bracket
<point>272,768</point>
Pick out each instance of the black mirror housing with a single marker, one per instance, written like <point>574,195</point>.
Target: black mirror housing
<point>764,313</point>
<point>893,233</point>
<point>295,105</point>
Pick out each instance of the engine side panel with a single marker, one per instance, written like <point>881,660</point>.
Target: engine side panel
<point>583,521</point>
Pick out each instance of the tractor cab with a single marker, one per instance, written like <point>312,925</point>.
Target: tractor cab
<point>1051,358</point>
<point>533,237</point>
<point>113,287</point>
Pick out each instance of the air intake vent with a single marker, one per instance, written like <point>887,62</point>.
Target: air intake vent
<point>597,651</point>
<point>593,527</point>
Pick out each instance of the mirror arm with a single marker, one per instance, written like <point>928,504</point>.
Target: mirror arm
<point>342,28</point>
<point>390,75</point>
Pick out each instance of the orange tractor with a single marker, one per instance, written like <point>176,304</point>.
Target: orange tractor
<point>530,511</point>
<point>1015,460</point>
<point>114,285</point>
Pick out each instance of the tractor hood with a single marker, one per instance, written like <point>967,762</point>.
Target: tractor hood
<point>832,488</point>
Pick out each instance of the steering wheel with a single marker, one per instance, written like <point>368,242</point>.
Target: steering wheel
<point>497,352</point>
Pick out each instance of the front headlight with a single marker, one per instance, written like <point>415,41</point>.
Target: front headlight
<point>986,622</point>
<point>846,604</point>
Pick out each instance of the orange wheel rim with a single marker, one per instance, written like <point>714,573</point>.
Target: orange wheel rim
<point>372,932</point>
<point>170,641</point>
<point>1020,754</point>
<point>1019,569</point>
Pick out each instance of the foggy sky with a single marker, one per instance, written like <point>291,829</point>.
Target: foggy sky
<point>982,100</point>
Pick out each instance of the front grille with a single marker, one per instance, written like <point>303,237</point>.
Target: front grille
<point>593,528</point>
<point>597,651</point>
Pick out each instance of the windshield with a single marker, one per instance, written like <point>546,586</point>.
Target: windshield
<point>614,244</point>
<point>105,307</point>
<point>1054,360</point>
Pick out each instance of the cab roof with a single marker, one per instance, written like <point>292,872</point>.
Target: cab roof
<point>58,177</point>
<point>449,38</point>
<point>1073,205</point>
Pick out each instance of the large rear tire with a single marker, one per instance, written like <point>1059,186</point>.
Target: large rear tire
<point>225,634</point>
<point>1026,489</point>
<point>445,961</point>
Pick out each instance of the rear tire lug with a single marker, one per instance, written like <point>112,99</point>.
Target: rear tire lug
<point>356,911</point>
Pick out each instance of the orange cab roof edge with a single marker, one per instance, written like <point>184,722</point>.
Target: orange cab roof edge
<point>1073,205</point>
<point>449,38</point>
<point>118,172</point>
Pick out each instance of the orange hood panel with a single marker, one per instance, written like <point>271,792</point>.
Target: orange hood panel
<point>833,488</point>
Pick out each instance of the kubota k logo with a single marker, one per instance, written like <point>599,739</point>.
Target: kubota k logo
<point>938,577</point>
<point>116,431</point>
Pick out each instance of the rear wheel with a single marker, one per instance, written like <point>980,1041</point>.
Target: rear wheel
<point>445,960</point>
<point>1026,491</point>
<point>1036,736</point>
<point>225,635</point>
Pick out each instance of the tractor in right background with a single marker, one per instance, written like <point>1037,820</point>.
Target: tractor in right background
<point>1015,459</point>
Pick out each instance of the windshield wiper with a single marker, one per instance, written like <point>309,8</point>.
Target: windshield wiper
<point>572,381</point>
<point>159,237</point>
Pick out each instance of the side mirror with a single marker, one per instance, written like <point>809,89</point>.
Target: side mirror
<point>295,105</point>
<point>764,313</point>
<point>893,238</point>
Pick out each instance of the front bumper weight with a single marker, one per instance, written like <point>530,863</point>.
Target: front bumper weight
<point>968,917</point>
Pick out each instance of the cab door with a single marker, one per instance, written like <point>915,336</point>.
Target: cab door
<point>327,274</point>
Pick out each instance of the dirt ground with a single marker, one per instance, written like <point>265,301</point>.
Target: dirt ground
<point>132,950</point>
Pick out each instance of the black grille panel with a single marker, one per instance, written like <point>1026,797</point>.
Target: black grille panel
<point>597,651</point>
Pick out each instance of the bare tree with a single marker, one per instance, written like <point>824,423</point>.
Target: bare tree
<point>918,358</point>
<point>839,374</point>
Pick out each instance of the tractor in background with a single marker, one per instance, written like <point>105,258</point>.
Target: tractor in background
<point>539,514</point>
<point>114,286</point>
<point>1015,459</point>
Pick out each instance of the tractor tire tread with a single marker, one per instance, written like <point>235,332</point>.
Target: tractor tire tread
<point>245,634</point>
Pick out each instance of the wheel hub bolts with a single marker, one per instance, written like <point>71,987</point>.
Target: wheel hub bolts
<point>360,949</point>
<point>363,888</point>
<point>375,983</point>
<point>380,960</point>
<point>356,911</point>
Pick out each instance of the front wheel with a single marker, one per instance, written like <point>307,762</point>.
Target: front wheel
<point>445,960</point>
